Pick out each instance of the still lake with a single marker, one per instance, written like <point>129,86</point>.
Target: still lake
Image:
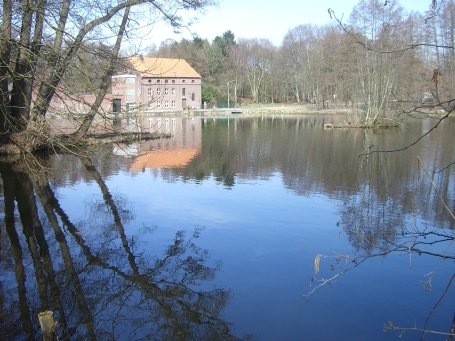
<point>264,228</point>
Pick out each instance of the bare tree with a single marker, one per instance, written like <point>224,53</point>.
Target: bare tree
<point>37,53</point>
<point>256,61</point>
<point>377,27</point>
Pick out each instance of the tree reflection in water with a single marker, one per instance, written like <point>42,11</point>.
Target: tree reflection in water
<point>94,280</point>
<point>377,226</point>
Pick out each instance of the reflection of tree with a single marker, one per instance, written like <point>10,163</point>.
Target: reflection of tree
<point>97,284</point>
<point>377,226</point>
<point>309,158</point>
<point>312,159</point>
<point>377,223</point>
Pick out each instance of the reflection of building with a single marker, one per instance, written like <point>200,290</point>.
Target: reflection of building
<point>128,150</point>
<point>177,151</point>
<point>156,84</point>
<point>165,158</point>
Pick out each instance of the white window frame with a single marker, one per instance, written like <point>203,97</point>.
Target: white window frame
<point>173,91</point>
<point>130,106</point>
<point>166,104</point>
<point>158,104</point>
<point>166,91</point>
<point>173,103</point>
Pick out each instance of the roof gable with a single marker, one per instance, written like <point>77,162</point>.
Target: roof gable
<point>163,67</point>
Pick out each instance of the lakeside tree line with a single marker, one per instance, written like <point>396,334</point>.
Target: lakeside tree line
<point>379,54</point>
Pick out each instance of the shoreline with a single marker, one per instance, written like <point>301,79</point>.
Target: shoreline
<point>216,112</point>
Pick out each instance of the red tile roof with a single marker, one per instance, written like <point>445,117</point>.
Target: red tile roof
<point>163,67</point>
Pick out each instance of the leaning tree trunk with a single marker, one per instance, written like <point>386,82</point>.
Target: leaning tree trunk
<point>105,82</point>
<point>5,55</point>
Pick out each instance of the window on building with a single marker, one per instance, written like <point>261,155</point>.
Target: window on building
<point>158,81</point>
<point>158,91</point>
<point>130,92</point>
<point>166,91</point>
<point>173,81</point>
<point>117,105</point>
<point>165,81</point>
<point>149,92</point>
<point>166,104</point>
<point>173,91</point>
<point>183,92</point>
<point>193,96</point>
<point>130,80</point>
<point>129,106</point>
<point>183,81</point>
<point>158,104</point>
<point>173,104</point>
<point>192,81</point>
<point>150,80</point>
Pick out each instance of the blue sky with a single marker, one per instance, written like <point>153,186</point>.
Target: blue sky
<point>266,18</point>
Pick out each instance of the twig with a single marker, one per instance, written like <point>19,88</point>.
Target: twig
<point>436,305</point>
<point>434,186</point>
<point>390,326</point>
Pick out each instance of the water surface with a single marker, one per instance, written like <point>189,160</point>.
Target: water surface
<point>271,228</point>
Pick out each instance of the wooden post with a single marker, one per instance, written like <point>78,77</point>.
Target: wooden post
<point>48,325</point>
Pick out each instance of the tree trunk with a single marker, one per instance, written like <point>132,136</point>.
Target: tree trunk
<point>106,80</point>
<point>22,79</point>
<point>297,94</point>
<point>5,55</point>
<point>51,75</point>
